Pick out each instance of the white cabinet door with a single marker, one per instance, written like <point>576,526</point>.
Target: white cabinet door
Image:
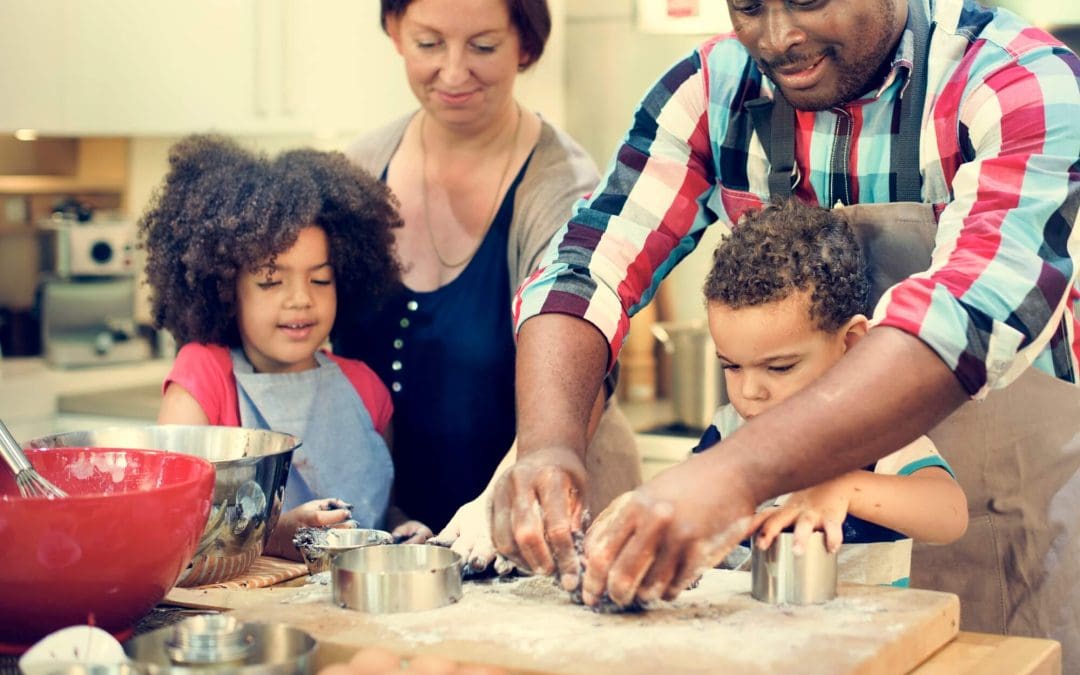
<point>159,67</point>
<point>342,74</point>
<point>31,57</point>
<point>170,67</point>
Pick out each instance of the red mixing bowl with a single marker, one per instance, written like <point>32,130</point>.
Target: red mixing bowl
<point>107,553</point>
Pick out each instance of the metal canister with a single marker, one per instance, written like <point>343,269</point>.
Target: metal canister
<point>697,378</point>
<point>218,643</point>
<point>778,576</point>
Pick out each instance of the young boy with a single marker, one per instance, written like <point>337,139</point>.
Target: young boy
<point>787,296</point>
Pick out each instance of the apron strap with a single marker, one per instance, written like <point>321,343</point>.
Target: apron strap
<point>905,145</point>
<point>774,122</point>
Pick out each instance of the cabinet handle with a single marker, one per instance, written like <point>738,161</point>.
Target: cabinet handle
<point>288,85</point>
<point>262,75</point>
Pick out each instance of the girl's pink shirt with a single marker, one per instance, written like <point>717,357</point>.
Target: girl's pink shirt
<point>205,371</point>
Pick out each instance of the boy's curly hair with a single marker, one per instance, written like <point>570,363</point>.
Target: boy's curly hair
<point>787,247</point>
<point>223,209</point>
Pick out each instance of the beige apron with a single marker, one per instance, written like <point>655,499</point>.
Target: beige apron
<point>1017,455</point>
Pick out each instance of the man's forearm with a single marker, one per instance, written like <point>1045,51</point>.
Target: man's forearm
<point>887,391</point>
<point>561,362</point>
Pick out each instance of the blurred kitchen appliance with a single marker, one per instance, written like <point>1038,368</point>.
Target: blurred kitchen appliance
<point>697,378</point>
<point>72,247</point>
<point>87,293</point>
<point>90,321</point>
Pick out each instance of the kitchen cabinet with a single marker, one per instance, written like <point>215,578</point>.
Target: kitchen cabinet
<point>31,49</point>
<point>169,67</point>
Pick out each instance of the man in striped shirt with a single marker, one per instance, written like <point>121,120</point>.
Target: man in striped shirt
<point>993,155</point>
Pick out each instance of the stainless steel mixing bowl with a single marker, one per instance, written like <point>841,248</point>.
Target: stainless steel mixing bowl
<point>251,467</point>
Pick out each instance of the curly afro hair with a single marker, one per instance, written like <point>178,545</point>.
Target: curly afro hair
<point>788,247</point>
<point>223,209</point>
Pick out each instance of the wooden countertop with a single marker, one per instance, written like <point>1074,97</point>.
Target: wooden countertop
<point>967,654</point>
<point>871,630</point>
<point>985,654</point>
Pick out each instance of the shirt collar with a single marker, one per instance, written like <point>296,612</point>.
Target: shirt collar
<point>902,62</point>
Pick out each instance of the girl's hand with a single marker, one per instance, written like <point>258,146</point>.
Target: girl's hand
<point>822,507</point>
<point>411,532</point>
<point>316,513</point>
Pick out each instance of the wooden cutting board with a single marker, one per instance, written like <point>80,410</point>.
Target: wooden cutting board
<point>528,624</point>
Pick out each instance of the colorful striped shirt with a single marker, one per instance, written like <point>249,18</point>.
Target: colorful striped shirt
<point>999,155</point>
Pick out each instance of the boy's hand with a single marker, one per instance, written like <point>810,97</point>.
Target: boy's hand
<point>411,532</point>
<point>822,507</point>
<point>316,513</point>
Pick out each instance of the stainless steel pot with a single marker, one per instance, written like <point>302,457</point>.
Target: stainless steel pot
<point>251,466</point>
<point>697,379</point>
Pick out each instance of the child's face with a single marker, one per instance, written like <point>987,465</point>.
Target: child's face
<point>285,312</point>
<point>770,351</point>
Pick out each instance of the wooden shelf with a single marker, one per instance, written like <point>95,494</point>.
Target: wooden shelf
<point>101,166</point>
<point>39,185</point>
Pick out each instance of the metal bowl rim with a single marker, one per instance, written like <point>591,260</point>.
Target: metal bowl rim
<point>293,442</point>
<point>352,560</point>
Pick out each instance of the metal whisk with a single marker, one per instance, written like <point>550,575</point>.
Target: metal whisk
<point>30,482</point>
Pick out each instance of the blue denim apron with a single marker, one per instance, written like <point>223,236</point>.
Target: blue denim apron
<point>341,456</point>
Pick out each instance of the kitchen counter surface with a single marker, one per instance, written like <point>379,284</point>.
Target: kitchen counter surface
<point>37,399</point>
<point>140,401</point>
<point>511,624</point>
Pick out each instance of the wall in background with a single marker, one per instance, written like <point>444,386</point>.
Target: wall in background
<point>611,65</point>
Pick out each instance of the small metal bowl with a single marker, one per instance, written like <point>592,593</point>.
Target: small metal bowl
<point>220,644</point>
<point>319,545</point>
<point>778,576</point>
<point>396,578</point>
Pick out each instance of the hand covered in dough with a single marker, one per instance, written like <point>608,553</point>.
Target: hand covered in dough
<point>316,513</point>
<point>537,508</point>
<point>655,541</point>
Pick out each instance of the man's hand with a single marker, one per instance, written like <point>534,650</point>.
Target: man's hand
<point>822,507</point>
<point>537,508</point>
<point>654,542</point>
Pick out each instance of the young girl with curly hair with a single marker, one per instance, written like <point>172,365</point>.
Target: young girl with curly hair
<point>248,260</point>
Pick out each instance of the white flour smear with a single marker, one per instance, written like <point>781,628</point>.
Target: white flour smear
<point>531,623</point>
<point>715,622</point>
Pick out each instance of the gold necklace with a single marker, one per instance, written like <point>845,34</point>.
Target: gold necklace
<point>494,204</point>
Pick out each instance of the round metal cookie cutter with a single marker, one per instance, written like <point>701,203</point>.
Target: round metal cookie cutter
<point>778,576</point>
<point>396,578</point>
